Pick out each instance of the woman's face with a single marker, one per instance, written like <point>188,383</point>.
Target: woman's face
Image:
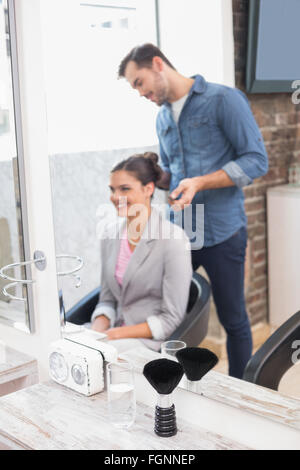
<point>127,191</point>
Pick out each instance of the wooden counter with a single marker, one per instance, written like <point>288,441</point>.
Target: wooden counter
<point>17,370</point>
<point>254,416</point>
<point>224,413</point>
<point>50,416</point>
<point>236,393</point>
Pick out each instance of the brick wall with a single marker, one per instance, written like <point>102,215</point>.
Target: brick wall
<point>279,121</point>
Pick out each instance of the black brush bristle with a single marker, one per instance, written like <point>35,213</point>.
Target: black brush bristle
<point>196,362</point>
<point>163,374</point>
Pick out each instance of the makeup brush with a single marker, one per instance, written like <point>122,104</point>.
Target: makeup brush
<point>164,375</point>
<point>196,362</point>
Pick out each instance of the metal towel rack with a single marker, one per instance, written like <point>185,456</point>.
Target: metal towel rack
<point>40,261</point>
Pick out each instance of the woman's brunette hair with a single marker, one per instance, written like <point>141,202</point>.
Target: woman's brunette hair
<point>144,166</point>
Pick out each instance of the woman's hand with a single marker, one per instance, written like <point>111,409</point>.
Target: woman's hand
<point>141,330</point>
<point>101,324</point>
<point>115,333</point>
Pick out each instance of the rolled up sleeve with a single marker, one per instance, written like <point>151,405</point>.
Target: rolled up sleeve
<point>238,124</point>
<point>107,309</point>
<point>236,174</point>
<point>156,327</point>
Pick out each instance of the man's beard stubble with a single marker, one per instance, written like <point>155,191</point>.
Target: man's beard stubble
<point>161,90</point>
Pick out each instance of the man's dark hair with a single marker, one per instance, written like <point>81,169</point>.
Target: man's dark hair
<point>142,56</point>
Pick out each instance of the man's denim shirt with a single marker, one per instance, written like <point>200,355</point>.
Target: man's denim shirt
<point>216,130</point>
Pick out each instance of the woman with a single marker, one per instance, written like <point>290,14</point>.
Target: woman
<point>146,263</point>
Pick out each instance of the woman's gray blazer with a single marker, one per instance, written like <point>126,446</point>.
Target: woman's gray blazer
<point>156,283</point>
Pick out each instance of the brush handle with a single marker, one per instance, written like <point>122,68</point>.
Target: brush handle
<point>192,386</point>
<point>165,421</point>
<point>164,401</point>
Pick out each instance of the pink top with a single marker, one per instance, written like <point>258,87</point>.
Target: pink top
<point>123,258</point>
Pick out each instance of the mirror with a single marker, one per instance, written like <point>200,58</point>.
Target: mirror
<point>13,242</point>
<point>94,119</point>
<point>89,132</point>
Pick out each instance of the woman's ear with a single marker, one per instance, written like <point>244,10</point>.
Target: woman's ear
<point>150,187</point>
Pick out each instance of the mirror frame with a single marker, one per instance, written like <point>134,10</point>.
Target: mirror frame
<point>19,175</point>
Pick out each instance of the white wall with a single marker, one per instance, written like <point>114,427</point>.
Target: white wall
<point>88,108</point>
<point>197,37</point>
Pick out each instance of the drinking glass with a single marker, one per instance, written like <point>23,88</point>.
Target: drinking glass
<point>170,348</point>
<point>121,394</point>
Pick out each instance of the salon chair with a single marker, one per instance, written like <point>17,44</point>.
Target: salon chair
<point>275,357</point>
<point>193,328</point>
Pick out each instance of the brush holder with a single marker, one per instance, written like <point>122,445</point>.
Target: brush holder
<point>165,417</point>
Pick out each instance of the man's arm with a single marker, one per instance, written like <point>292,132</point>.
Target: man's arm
<point>238,124</point>
<point>236,120</point>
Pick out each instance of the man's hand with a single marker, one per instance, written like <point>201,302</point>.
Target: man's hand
<point>190,186</point>
<point>187,188</point>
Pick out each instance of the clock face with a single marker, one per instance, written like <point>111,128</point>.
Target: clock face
<point>58,367</point>
<point>78,374</point>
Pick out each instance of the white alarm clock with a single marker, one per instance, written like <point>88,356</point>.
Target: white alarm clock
<point>78,361</point>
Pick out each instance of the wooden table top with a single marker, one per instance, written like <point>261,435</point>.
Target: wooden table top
<point>236,393</point>
<point>49,416</point>
<point>14,364</point>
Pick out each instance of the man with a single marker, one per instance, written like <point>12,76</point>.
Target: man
<point>210,147</point>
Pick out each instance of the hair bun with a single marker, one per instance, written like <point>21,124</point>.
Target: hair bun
<point>151,156</point>
<point>144,166</point>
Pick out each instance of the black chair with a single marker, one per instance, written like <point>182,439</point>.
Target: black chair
<point>192,330</point>
<point>275,357</point>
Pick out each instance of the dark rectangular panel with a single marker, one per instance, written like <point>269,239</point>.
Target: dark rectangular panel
<point>273,46</point>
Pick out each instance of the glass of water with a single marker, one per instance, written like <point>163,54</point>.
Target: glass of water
<point>121,394</point>
<point>170,348</point>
